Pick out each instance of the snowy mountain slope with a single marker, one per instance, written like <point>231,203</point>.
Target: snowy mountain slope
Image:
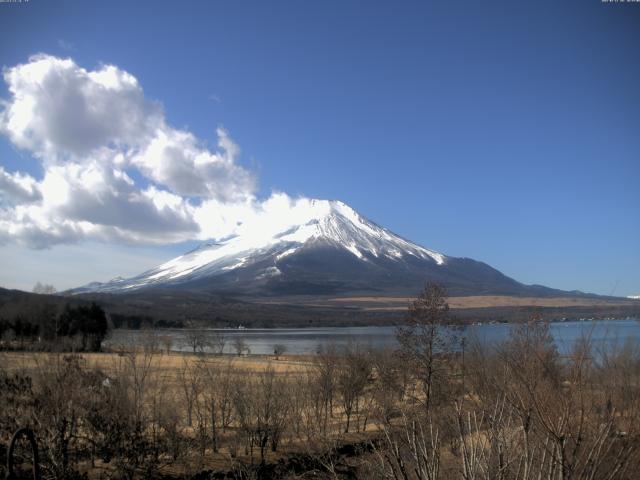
<point>329,249</point>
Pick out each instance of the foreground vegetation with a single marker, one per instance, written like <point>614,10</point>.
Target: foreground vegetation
<point>513,411</point>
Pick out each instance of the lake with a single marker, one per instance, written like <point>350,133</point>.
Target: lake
<point>603,333</point>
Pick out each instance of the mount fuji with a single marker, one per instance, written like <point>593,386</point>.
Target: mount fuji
<point>328,249</point>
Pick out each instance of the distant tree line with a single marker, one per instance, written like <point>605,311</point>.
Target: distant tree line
<point>76,328</point>
<point>137,322</point>
<point>44,289</point>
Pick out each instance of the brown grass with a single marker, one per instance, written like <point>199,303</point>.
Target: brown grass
<point>480,301</point>
<point>167,365</point>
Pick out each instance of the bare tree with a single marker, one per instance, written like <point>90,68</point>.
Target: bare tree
<point>279,349</point>
<point>424,340</point>
<point>44,289</point>
<point>325,375</point>
<point>196,340</point>
<point>390,379</point>
<point>240,346</point>
<point>150,340</point>
<point>167,343</point>
<point>58,415</point>
<point>215,396</point>
<point>543,418</point>
<point>190,385</point>
<point>411,451</point>
<point>126,418</point>
<point>353,375</point>
<point>216,342</point>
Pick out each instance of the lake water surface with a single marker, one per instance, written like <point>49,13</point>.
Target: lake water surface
<point>603,333</point>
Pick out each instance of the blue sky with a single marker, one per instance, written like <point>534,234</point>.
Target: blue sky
<point>504,131</point>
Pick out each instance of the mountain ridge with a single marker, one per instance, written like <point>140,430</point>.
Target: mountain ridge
<point>327,249</point>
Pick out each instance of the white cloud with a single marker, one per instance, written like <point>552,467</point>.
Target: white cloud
<point>92,130</point>
<point>174,158</point>
<point>18,187</point>
<point>59,110</point>
<point>255,219</point>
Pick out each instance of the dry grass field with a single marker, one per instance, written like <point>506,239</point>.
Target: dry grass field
<point>167,365</point>
<point>481,301</point>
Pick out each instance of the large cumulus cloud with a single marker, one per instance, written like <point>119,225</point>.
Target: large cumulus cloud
<point>58,109</point>
<point>113,168</point>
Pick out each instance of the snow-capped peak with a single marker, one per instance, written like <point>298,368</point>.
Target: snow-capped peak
<point>283,232</point>
<point>343,225</point>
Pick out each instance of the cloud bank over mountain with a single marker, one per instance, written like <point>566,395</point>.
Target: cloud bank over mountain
<point>114,169</point>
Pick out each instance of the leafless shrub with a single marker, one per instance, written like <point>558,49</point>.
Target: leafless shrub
<point>216,341</point>
<point>410,451</point>
<point>214,399</point>
<point>390,382</point>
<point>262,409</point>
<point>325,376</point>
<point>353,375</point>
<point>195,339</point>
<point>240,346</point>
<point>279,350</point>
<point>167,342</point>
<point>44,288</point>
<point>190,385</point>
